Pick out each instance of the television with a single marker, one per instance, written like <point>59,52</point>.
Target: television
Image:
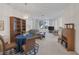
<point>50,27</point>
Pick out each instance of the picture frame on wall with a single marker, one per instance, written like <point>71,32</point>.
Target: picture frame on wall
<point>1,25</point>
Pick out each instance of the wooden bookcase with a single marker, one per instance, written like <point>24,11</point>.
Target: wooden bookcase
<point>23,26</point>
<point>17,26</point>
<point>68,37</point>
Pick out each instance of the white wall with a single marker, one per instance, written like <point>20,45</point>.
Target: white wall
<point>71,15</point>
<point>29,24</point>
<point>5,12</point>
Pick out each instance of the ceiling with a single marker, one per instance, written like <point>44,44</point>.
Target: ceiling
<point>40,9</point>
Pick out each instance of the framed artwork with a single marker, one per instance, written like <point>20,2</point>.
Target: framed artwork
<point>1,25</point>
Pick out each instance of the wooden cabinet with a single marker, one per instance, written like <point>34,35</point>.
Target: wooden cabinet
<point>68,36</point>
<point>17,26</point>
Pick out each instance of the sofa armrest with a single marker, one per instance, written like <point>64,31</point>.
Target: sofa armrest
<point>1,46</point>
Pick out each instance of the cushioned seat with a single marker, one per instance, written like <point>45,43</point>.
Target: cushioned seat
<point>10,46</point>
<point>6,46</point>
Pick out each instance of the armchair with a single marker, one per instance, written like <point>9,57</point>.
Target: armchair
<point>6,47</point>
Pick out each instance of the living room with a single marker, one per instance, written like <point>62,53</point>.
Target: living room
<point>38,17</point>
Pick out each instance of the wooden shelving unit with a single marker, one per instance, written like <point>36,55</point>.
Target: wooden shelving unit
<point>17,26</point>
<point>23,25</point>
<point>68,37</point>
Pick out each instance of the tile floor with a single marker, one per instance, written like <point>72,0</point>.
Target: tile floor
<point>50,46</point>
